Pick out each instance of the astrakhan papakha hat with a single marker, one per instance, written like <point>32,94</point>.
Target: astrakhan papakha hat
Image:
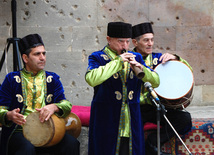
<point>141,29</point>
<point>119,30</point>
<point>30,41</point>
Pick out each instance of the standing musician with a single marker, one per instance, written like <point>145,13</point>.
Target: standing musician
<point>143,40</point>
<point>115,121</point>
<point>28,90</point>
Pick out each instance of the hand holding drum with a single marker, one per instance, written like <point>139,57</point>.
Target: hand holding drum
<point>51,131</point>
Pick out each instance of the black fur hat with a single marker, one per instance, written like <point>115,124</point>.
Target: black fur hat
<point>119,30</point>
<point>29,41</point>
<point>141,29</point>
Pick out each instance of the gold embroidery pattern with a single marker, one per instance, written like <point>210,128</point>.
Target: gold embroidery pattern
<point>29,92</point>
<point>49,98</point>
<point>19,98</point>
<point>39,82</point>
<point>118,95</point>
<point>105,57</point>
<point>49,79</point>
<point>38,103</point>
<point>38,94</point>
<point>116,75</point>
<point>131,95</point>
<point>18,80</point>
<point>29,86</point>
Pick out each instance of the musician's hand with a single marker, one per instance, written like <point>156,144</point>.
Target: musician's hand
<point>15,117</point>
<point>47,111</point>
<point>133,63</point>
<point>166,57</point>
<point>126,57</point>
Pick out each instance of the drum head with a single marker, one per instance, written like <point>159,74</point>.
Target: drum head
<point>39,134</point>
<point>176,80</point>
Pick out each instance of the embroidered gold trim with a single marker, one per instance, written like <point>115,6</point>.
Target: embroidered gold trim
<point>105,57</point>
<point>19,98</point>
<point>155,61</point>
<point>49,79</point>
<point>18,80</point>
<point>131,95</point>
<point>131,75</point>
<point>118,95</point>
<point>116,75</point>
<point>49,98</point>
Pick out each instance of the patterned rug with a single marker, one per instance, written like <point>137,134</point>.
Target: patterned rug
<point>199,141</point>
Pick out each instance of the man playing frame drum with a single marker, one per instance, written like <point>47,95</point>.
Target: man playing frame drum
<point>32,90</point>
<point>143,40</point>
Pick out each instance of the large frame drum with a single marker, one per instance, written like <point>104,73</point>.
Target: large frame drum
<point>176,84</point>
<point>44,134</point>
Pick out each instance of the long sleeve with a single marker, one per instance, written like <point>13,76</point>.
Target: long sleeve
<point>97,74</point>
<point>185,62</point>
<point>151,76</point>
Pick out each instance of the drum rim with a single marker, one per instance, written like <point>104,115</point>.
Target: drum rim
<point>192,86</point>
<point>53,127</point>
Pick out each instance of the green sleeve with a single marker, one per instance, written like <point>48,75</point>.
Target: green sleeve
<point>98,75</point>
<point>184,61</point>
<point>151,76</point>
<point>3,121</point>
<point>65,108</point>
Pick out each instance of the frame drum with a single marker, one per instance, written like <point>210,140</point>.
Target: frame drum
<point>44,134</point>
<point>176,84</point>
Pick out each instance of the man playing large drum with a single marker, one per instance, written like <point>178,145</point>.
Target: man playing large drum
<point>143,40</point>
<point>28,90</point>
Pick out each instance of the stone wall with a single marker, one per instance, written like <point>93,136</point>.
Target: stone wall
<point>72,30</point>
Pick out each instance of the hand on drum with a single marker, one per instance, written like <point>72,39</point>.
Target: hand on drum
<point>47,111</point>
<point>15,116</point>
<point>166,57</point>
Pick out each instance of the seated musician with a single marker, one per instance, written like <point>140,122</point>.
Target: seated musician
<point>28,90</point>
<point>143,40</point>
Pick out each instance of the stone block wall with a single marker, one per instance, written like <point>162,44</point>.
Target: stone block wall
<point>72,30</point>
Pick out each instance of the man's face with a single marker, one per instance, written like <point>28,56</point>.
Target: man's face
<point>145,44</point>
<point>36,59</point>
<point>118,44</point>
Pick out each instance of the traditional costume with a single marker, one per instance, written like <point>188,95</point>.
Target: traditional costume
<point>115,108</point>
<point>181,120</point>
<point>23,90</point>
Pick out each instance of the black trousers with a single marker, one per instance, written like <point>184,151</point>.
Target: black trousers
<point>18,145</point>
<point>181,121</point>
